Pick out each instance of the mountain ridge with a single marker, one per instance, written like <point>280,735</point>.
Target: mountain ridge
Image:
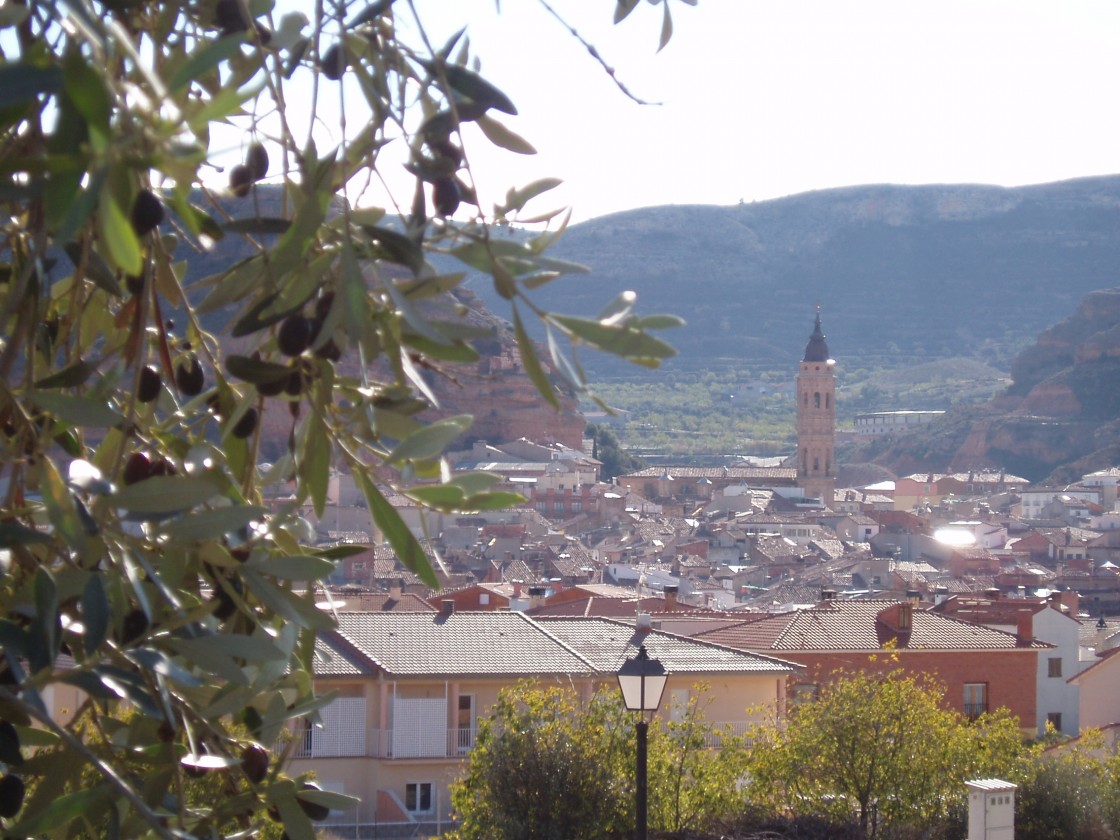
<point>936,268</point>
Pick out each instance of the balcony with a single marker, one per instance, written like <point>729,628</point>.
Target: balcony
<point>434,742</point>
<point>387,743</point>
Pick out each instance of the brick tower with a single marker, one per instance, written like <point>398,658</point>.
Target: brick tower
<point>816,419</point>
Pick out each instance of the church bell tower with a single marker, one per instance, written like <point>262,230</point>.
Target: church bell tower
<point>816,419</point>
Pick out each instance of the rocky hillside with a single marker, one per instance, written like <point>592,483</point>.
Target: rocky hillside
<point>1059,418</point>
<point>905,274</point>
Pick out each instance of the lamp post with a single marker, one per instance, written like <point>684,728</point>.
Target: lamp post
<point>642,681</point>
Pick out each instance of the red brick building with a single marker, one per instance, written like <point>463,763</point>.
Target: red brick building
<point>980,668</point>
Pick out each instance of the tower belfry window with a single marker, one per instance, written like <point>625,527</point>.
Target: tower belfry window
<point>817,399</point>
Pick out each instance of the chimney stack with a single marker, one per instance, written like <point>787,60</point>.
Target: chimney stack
<point>671,597</point>
<point>940,594</point>
<point>828,595</point>
<point>914,597</point>
<point>536,596</point>
<point>1023,629</point>
<point>644,623</point>
<point>446,606</point>
<point>396,589</point>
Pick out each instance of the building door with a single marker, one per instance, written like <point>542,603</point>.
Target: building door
<point>465,724</point>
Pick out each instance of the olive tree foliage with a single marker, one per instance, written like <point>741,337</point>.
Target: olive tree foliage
<point>548,765</point>
<point>141,565</point>
<point>881,747</point>
<point>1069,789</point>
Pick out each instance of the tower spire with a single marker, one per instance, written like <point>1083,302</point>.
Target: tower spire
<point>816,418</point>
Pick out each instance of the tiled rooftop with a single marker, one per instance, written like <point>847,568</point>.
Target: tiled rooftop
<point>511,644</point>
<point>487,643</point>
<point>607,644</point>
<point>853,625</point>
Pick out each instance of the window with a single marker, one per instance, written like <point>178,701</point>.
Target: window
<point>1054,719</point>
<point>817,400</point>
<point>975,700</point>
<point>577,507</point>
<point>1054,666</point>
<point>418,797</point>
<point>558,505</point>
<point>802,693</point>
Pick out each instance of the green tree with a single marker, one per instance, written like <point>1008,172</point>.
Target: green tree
<point>136,540</point>
<point>880,745</point>
<point>547,765</point>
<point>1068,791</point>
<point>616,460</point>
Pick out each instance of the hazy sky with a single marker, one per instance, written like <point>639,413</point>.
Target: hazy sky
<point>765,99</point>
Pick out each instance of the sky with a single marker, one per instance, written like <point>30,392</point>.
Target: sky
<point>765,98</point>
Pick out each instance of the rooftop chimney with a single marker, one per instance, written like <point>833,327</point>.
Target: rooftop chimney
<point>1024,629</point>
<point>940,594</point>
<point>914,597</point>
<point>446,606</point>
<point>828,594</point>
<point>643,624</point>
<point>906,616</point>
<point>992,593</point>
<point>537,596</point>
<point>396,589</point>
<point>671,597</point>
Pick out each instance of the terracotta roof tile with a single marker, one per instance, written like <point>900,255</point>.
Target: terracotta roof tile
<point>854,625</point>
<point>511,644</point>
<point>606,644</point>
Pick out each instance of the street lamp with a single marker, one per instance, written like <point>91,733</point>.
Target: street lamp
<point>642,681</point>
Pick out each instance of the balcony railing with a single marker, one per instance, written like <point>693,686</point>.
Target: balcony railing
<point>447,743</point>
<point>974,710</point>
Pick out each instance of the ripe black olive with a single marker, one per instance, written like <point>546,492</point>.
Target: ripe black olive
<point>246,425</point>
<point>137,468</point>
<point>254,761</point>
<point>295,335</point>
<point>240,180</point>
<point>189,377</point>
<point>12,790</point>
<point>150,382</point>
<point>256,160</point>
<point>446,196</point>
<point>333,62</point>
<point>147,212</point>
<point>314,810</point>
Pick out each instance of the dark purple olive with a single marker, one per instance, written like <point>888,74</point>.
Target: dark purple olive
<point>137,467</point>
<point>254,761</point>
<point>147,212</point>
<point>189,377</point>
<point>295,335</point>
<point>314,810</point>
<point>333,62</point>
<point>246,425</point>
<point>241,180</point>
<point>150,383</point>
<point>256,160</point>
<point>12,790</point>
<point>446,196</point>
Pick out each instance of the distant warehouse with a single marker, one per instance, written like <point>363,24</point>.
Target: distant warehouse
<point>889,422</point>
